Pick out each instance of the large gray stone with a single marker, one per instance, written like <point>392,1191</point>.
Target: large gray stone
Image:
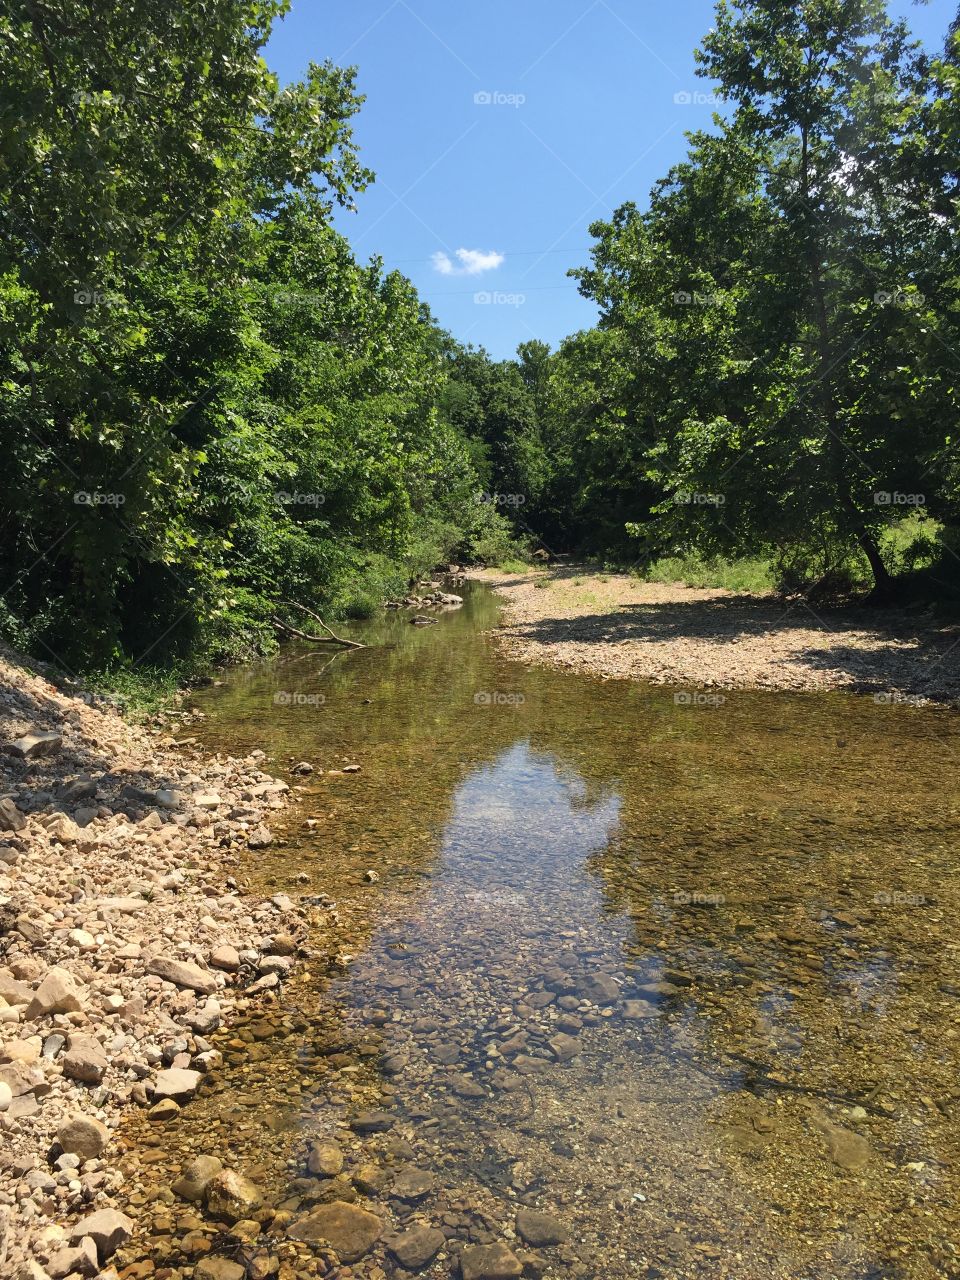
<point>183,974</point>
<point>413,1249</point>
<point>196,1178</point>
<point>347,1228</point>
<point>11,819</point>
<point>489,1262</point>
<point>107,1228</point>
<point>83,1136</point>
<point>232,1197</point>
<point>176,1083</point>
<point>33,745</point>
<point>84,1060</point>
<point>540,1229</point>
<point>57,993</point>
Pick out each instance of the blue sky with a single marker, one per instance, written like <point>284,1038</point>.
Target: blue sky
<point>503,129</point>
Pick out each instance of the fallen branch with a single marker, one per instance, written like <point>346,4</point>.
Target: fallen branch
<point>330,638</point>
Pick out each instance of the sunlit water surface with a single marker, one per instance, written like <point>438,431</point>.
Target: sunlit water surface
<point>682,976</point>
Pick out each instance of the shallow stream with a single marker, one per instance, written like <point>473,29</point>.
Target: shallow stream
<point>682,973</point>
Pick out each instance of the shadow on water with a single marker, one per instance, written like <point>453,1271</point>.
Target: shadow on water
<point>682,976</point>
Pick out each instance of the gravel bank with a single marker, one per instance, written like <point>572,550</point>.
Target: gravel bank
<point>124,943</point>
<point>618,627</point>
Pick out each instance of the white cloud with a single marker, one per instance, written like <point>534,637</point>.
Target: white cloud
<point>470,262</point>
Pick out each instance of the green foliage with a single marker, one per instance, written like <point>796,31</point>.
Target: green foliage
<point>773,376</point>
<point>211,407</point>
<point>755,576</point>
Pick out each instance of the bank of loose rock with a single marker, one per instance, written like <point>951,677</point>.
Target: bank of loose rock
<point>124,942</point>
<point>618,627</point>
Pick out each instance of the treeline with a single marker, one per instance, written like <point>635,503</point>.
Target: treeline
<point>775,370</point>
<point>209,407</point>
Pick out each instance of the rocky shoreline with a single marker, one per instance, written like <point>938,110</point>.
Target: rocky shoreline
<point>618,627</point>
<point>125,943</point>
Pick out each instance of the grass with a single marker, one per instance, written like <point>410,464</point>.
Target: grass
<point>754,575</point>
<point>139,692</point>
<point>512,565</point>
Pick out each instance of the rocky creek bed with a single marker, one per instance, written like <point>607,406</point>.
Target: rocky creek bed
<point>540,976</point>
<point>125,943</point>
<point>616,626</point>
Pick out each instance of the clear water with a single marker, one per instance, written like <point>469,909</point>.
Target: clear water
<point>682,976</point>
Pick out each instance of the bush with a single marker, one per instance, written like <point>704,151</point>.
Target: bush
<point>755,575</point>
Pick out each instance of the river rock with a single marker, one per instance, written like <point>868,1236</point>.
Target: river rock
<point>76,789</point>
<point>412,1184</point>
<point>33,745</point>
<point>413,1249</point>
<point>84,1060</point>
<point>634,1010</point>
<point>13,991</point>
<point>57,993</point>
<point>107,1228</point>
<point>183,974</point>
<point>83,1136</point>
<point>21,1077</point>
<point>601,989</point>
<point>225,958</point>
<point>563,1047</point>
<point>371,1122</point>
<point>489,1262</point>
<point>348,1229</point>
<point>231,1196</point>
<point>196,1178</point>
<point>80,1259</point>
<point>847,1149</point>
<point>176,1083</point>
<point>11,819</point>
<point>325,1158</point>
<point>218,1269</point>
<point>540,1229</point>
<point>21,1050</point>
<point>206,1019</point>
<point>162,1111</point>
